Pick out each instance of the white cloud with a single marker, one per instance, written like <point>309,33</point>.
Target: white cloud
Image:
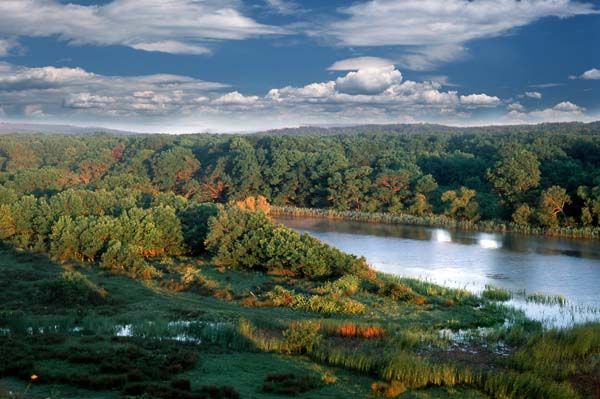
<point>427,58</point>
<point>171,26</point>
<point>563,112</point>
<point>353,64</point>
<point>33,110</point>
<point>533,94</point>
<point>284,7</point>
<point>592,74</point>
<point>62,90</point>
<point>479,100</point>
<point>87,100</point>
<point>171,46</point>
<point>567,106</point>
<point>435,30</point>
<point>7,46</point>
<point>515,107</point>
<point>376,95</point>
<point>235,98</point>
<point>368,81</point>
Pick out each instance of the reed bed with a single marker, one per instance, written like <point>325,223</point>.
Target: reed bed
<point>440,221</point>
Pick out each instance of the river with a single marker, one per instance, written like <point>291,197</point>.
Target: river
<point>472,260</point>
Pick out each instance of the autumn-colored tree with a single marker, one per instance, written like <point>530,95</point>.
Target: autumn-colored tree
<point>254,204</point>
<point>552,204</point>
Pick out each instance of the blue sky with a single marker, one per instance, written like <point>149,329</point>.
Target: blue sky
<point>232,65</point>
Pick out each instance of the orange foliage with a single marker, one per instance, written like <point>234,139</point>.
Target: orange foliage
<point>89,170</point>
<point>117,151</point>
<point>420,300</point>
<point>255,204</point>
<point>352,330</point>
<point>388,389</point>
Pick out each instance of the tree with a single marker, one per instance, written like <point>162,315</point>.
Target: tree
<point>173,166</point>
<point>522,215</point>
<point>391,188</point>
<point>552,204</point>
<point>347,190</point>
<point>420,206</point>
<point>516,173</point>
<point>461,204</point>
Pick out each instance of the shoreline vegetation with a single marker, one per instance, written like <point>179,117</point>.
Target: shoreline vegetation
<point>224,303</point>
<point>436,221</point>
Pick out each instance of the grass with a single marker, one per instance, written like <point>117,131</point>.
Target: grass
<point>496,294</point>
<point>396,340</point>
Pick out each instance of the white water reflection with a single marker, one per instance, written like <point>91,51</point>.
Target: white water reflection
<point>441,236</point>
<point>472,260</point>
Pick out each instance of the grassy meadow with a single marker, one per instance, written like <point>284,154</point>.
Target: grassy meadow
<point>84,332</point>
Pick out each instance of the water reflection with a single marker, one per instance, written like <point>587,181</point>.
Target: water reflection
<point>440,235</point>
<point>472,259</point>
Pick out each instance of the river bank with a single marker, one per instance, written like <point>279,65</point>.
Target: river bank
<point>591,233</point>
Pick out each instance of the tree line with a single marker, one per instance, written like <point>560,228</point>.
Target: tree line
<point>532,177</point>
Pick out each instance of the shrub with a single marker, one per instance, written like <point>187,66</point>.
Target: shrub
<point>397,291</point>
<point>71,288</point>
<point>239,238</point>
<point>388,389</point>
<point>353,330</point>
<point>302,336</point>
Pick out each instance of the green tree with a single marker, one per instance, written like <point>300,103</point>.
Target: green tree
<point>461,204</point>
<point>515,174</point>
<point>522,215</point>
<point>173,167</point>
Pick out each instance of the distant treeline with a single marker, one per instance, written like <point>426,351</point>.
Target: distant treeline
<point>545,176</point>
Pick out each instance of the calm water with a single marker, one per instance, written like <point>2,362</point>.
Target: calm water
<point>471,260</point>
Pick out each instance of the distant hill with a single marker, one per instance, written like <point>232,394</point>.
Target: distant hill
<point>8,128</point>
<point>325,130</point>
<point>427,128</point>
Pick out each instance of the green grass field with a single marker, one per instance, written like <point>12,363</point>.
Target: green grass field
<point>249,339</point>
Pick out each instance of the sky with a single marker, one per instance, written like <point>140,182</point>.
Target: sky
<point>182,66</point>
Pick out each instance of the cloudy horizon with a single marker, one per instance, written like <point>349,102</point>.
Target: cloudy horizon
<point>229,65</point>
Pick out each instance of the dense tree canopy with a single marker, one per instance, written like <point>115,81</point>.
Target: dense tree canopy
<point>500,174</point>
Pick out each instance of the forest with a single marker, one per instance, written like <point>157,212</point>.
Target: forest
<point>546,178</point>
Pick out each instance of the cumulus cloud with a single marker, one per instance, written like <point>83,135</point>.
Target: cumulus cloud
<point>479,100</point>
<point>435,30</point>
<point>235,98</point>
<point>365,95</point>
<point>592,74</point>
<point>140,24</point>
<point>57,90</point>
<point>369,80</point>
<point>515,107</point>
<point>565,111</point>
<point>567,106</point>
<point>533,94</point>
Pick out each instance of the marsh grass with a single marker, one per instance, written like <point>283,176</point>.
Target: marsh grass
<point>496,294</point>
<point>545,299</point>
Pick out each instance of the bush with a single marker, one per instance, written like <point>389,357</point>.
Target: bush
<point>239,238</point>
<point>71,289</point>
<point>302,336</point>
